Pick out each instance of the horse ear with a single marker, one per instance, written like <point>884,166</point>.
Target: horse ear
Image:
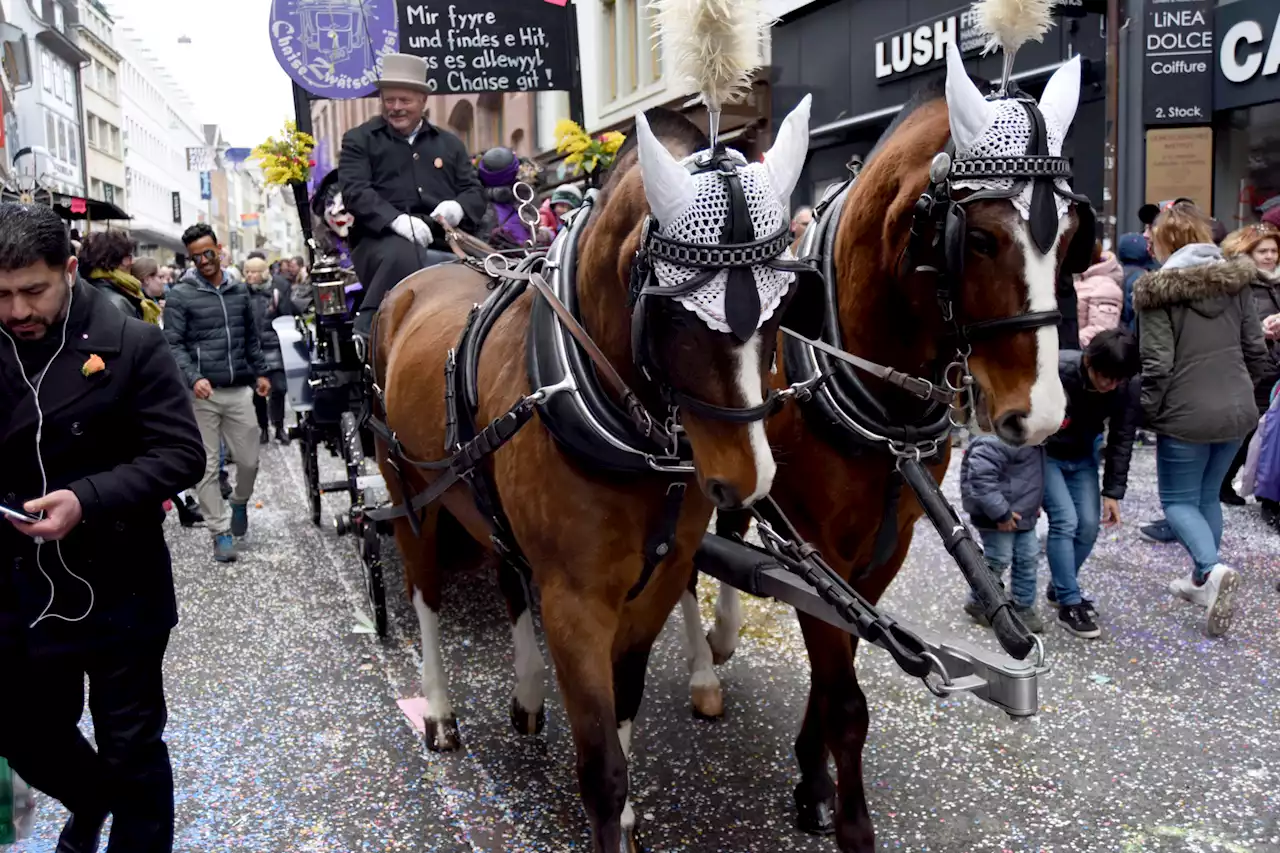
<point>1062,94</point>
<point>969,112</point>
<point>667,185</point>
<point>786,158</point>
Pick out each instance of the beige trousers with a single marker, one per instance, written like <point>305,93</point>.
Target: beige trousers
<point>228,417</point>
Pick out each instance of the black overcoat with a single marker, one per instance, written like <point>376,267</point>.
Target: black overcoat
<point>123,439</point>
<point>383,176</point>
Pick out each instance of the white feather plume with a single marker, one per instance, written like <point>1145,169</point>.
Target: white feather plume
<point>1009,24</point>
<point>713,43</point>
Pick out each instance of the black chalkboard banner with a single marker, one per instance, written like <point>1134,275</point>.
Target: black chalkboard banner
<point>491,45</point>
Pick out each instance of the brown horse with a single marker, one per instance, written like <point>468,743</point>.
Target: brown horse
<point>890,314</point>
<point>583,531</point>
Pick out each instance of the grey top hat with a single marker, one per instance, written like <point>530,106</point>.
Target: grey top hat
<point>403,71</point>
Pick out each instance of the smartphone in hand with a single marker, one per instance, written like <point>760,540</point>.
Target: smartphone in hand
<point>18,515</point>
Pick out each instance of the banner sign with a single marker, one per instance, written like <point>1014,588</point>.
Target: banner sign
<point>490,45</point>
<point>200,160</point>
<point>1249,54</point>
<point>176,200</point>
<point>79,205</point>
<point>331,48</point>
<point>1177,79</point>
<point>249,220</point>
<point>206,185</point>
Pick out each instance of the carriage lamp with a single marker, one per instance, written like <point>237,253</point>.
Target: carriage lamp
<point>330,289</point>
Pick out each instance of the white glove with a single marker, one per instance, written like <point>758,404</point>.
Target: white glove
<point>412,229</point>
<point>450,211</point>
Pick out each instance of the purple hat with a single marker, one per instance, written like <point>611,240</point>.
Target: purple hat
<point>499,167</point>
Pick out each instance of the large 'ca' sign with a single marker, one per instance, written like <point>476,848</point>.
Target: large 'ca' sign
<point>331,47</point>
<point>490,45</point>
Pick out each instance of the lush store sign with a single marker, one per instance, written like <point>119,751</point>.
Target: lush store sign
<point>924,46</point>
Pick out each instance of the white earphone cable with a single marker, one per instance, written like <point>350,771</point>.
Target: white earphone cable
<point>44,479</point>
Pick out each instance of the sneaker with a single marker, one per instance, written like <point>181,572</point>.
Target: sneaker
<point>974,609</point>
<point>1030,617</point>
<point>224,548</point>
<point>1075,619</point>
<point>239,519</point>
<point>1219,592</point>
<point>1187,589</point>
<point>1157,531</point>
<point>1086,603</point>
<point>1270,512</point>
<point>282,436</point>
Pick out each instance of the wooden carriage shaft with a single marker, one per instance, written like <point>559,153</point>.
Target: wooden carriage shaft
<point>1011,685</point>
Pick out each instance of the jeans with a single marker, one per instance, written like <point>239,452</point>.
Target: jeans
<point>1073,502</point>
<point>1018,551</point>
<point>129,774</point>
<point>1190,478</point>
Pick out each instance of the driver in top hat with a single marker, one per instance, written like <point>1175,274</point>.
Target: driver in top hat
<point>402,176</point>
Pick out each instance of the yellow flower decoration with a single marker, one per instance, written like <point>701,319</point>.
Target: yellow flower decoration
<point>587,152</point>
<point>286,160</point>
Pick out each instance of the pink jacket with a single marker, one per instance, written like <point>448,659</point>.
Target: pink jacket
<point>1100,297</point>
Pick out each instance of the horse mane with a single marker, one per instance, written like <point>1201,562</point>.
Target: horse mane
<point>934,90</point>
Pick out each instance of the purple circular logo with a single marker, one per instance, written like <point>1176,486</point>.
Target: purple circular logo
<point>331,48</point>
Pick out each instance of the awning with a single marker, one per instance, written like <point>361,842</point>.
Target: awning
<point>75,208</point>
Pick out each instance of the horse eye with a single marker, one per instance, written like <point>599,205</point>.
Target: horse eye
<point>983,242</point>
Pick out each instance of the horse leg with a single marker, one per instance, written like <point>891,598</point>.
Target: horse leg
<point>704,685</point>
<point>628,688</point>
<point>723,637</point>
<point>835,723</point>
<point>422,569</point>
<point>580,633</point>
<point>528,709</point>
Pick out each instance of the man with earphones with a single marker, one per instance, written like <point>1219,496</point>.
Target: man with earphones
<point>403,179</point>
<point>96,431</point>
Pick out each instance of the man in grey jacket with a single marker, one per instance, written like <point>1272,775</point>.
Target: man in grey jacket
<point>210,325</point>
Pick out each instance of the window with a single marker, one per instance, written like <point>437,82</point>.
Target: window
<point>68,83</point>
<point>109,88</point>
<point>62,141</point>
<point>610,49</point>
<point>51,133</point>
<point>59,17</point>
<point>73,144</point>
<point>46,70</point>
<point>113,144</point>
<point>95,188</point>
<point>631,56</point>
<point>91,129</point>
<point>109,193</point>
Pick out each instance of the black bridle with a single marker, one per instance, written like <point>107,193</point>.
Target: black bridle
<point>738,252</point>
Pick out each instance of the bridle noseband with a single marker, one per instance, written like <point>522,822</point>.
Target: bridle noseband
<point>737,254</point>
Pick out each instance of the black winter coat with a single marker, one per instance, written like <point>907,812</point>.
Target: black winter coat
<point>1088,413</point>
<point>268,304</point>
<point>123,439</point>
<point>383,176</point>
<point>213,332</point>
<point>997,480</point>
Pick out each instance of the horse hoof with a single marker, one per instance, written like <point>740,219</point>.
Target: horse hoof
<point>442,735</point>
<point>718,658</point>
<point>816,817</point>
<point>630,841</point>
<point>527,722</point>
<point>708,702</point>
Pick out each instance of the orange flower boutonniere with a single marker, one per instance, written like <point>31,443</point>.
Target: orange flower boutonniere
<point>93,365</point>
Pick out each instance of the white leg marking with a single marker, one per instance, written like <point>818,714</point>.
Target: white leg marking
<point>624,737</point>
<point>530,667</point>
<point>702,674</point>
<point>728,625</point>
<point>751,389</point>
<point>435,683</point>
<point>1048,400</point>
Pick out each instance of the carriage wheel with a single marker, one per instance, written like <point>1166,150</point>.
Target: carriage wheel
<point>371,560</point>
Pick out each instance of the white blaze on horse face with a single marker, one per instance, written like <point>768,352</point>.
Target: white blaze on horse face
<point>1048,399</point>
<point>969,113</point>
<point>530,689</point>
<point>785,159</point>
<point>435,683</point>
<point>668,186</point>
<point>751,387</point>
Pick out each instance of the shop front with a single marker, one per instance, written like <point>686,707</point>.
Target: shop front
<point>863,59</point>
<point>1246,97</point>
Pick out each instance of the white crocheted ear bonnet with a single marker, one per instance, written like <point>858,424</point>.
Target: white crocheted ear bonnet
<point>703,223</point>
<point>693,208</point>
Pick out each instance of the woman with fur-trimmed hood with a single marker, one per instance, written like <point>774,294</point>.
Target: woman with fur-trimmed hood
<point>1202,349</point>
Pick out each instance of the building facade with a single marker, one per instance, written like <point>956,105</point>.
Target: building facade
<point>164,197</point>
<point>103,115</point>
<point>49,111</point>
